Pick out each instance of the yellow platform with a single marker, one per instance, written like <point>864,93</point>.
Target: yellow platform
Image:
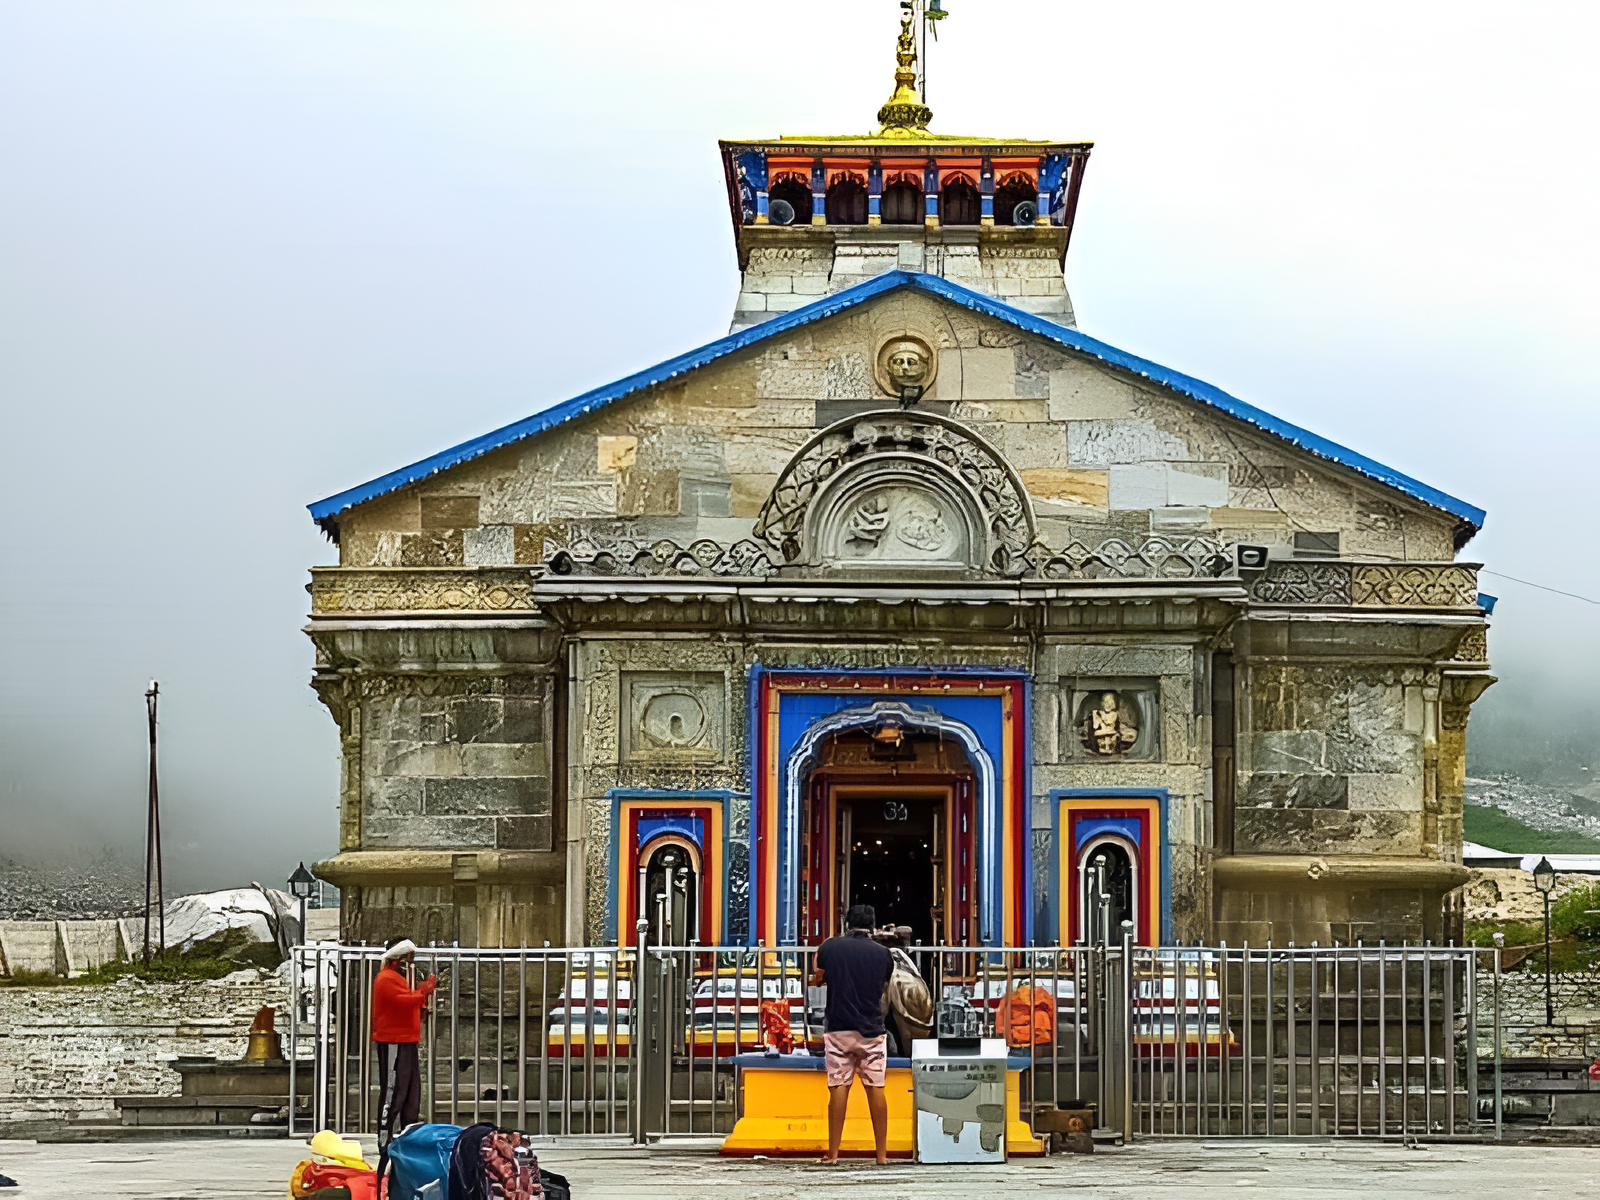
<point>785,1112</point>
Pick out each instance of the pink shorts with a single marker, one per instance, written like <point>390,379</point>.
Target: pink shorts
<point>848,1054</point>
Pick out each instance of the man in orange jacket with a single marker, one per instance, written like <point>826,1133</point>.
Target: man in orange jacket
<point>397,1028</point>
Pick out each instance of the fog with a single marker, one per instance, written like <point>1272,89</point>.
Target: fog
<point>252,254</point>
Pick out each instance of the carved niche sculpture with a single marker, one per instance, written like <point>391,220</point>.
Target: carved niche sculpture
<point>1109,724</point>
<point>672,716</point>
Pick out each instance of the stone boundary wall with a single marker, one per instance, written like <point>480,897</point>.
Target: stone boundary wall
<point>65,947</point>
<point>67,1052</point>
<point>1524,1034</point>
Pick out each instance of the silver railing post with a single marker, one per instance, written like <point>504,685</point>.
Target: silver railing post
<point>1127,1032</point>
<point>1499,1098</point>
<point>636,1030</point>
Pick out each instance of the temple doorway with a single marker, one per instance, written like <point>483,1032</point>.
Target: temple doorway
<point>891,823</point>
<point>894,857</point>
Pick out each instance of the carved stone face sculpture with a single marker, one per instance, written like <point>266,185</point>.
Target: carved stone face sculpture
<point>905,362</point>
<point>908,366</point>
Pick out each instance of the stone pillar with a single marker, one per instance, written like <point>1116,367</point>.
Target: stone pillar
<point>930,194</point>
<point>1456,696</point>
<point>819,193</point>
<point>875,193</point>
<point>986,191</point>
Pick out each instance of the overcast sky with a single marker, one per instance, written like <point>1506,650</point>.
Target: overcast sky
<point>252,254</point>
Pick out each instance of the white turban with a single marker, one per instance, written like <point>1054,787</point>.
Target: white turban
<point>400,949</point>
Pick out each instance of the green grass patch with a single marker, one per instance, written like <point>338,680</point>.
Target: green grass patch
<point>1574,933</point>
<point>1495,828</point>
<point>172,968</point>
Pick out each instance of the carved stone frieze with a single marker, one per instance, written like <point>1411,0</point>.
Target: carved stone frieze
<point>593,554</point>
<point>376,686</point>
<point>901,437</point>
<point>1474,647</point>
<point>336,590</point>
<point>1303,583</point>
<point>600,716</point>
<point>1403,585</point>
<point>1150,558</point>
<point>1368,585</point>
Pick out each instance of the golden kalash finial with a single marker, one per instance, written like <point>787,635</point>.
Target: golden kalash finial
<point>905,115</point>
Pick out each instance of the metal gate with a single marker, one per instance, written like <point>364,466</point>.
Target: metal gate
<point>640,1043</point>
<point>1319,1041</point>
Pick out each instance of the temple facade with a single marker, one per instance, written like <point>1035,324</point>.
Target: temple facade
<point>905,592</point>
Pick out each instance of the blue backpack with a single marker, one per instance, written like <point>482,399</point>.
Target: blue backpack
<point>420,1157</point>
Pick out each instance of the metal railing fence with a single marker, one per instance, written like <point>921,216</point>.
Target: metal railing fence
<point>1307,1041</point>
<point>641,1042</point>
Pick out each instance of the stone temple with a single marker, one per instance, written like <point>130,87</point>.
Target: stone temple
<point>905,592</point>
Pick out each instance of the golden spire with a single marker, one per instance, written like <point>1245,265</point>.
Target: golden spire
<point>905,115</point>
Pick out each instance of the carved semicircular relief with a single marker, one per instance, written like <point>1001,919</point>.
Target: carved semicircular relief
<point>889,487</point>
<point>895,515</point>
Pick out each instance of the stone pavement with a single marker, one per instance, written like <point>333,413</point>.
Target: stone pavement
<point>1148,1171</point>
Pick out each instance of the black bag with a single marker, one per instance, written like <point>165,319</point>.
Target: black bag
<point>488,1163</point>
<point>553,1186</point>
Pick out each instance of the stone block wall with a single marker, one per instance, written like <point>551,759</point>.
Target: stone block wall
<point>1102,455</point>
<point>793,267</point>
<point>67,1052</point>
<point>1524,1034</point>
<point>448,792</point>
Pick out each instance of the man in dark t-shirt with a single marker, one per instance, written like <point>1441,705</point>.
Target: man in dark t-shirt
<point>856,970</point>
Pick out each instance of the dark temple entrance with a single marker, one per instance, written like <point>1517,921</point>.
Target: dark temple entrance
<point>893,859</point>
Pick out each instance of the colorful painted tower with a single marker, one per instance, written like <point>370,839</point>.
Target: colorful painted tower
<point>813,215</point>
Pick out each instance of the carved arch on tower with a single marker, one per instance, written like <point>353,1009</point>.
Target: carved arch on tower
<point>895,489</point>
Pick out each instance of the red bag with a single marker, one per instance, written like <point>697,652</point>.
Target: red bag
<point>310,1176</point>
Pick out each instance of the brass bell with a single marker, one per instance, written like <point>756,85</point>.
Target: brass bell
<point>264,1044</point>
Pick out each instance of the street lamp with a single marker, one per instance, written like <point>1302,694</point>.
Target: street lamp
<point>1544,879</point>
<point>300,885</point>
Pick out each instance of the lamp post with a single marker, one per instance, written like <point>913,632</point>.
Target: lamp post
<point>300,885</point>
<point>1544,879</point>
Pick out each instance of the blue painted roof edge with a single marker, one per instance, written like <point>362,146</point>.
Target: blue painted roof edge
<point>323,511</point>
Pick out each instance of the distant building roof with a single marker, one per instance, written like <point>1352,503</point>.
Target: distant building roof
<point>1474,855</point>
<point>326,512</point>
<point>1565,864</point>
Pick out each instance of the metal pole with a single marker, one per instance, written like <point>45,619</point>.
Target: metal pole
<point>1499,940</point>
<point>294,1025</point>
<point>1549,1004</point>
<point>152,846</point>
<point>636,1029</point>
<point>1127,1033</point>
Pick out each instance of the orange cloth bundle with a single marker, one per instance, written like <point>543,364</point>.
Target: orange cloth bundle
<point>775,1028</point>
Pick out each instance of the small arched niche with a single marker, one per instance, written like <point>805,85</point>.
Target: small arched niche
<point>1013,190</point>
<point>796,193</point>
<point>897,513</point>
<point>847,201</point>
<point>960,203</point>
<point>902,204</point>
